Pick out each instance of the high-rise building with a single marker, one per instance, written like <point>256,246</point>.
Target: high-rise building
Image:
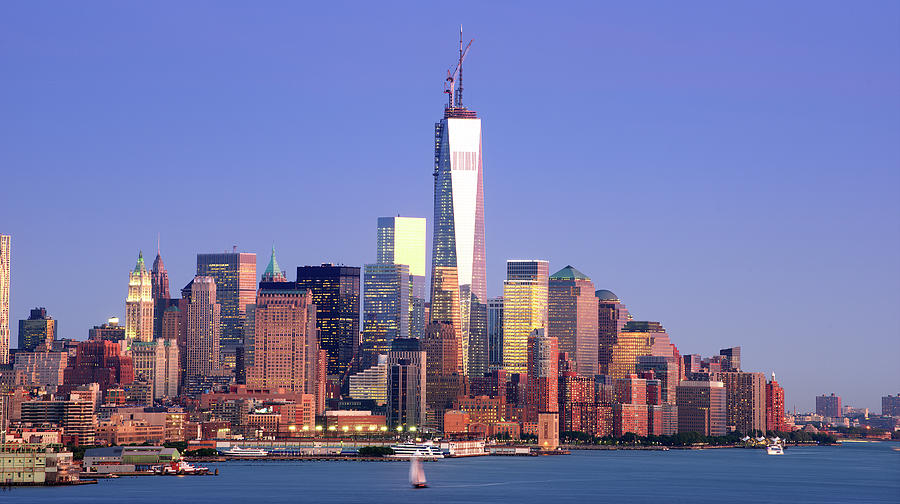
<point>386,298</point>
<point>701,407</point>
<point>99,362</point>
<point>159,279</point>
<point>525,294</point>
<point>203,329</point>
<point>636,338</point>
<point>775,407</point>
<point>139,303</point>
<point>572,307</point>
<point>39,330</point>
<point>157,364</point>
<point>663,368</point>
<point>445,306</point>
<point>443,382</point>
<point>5,254</point>
<point>335,292</point>
<point>235,277</point>
<point>459,221</point>
<point>495,333</point>
<point>401,240</point>
<point>406,384</point>
<point>285,345</point>
<point>828,406</point>
<point>110,331</point>
<point>890,404</point>
<point>732,358</point>
<point>542,385</point>
<point>371,383</point>
<point>745,400</point>
<point>612,316</point>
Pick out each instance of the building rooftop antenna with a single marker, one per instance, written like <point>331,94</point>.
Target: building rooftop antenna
<point>455,93</point>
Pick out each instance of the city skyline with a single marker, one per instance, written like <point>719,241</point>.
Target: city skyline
<point>694,285</point>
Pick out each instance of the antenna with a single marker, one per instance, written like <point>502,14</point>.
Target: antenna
<point>157,243</point>
<point>459,91</point>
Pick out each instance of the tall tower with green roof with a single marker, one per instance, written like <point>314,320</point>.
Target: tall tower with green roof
<point>139,303</point>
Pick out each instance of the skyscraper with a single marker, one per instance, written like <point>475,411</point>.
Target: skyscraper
<point>285,346</point>
<point>745,400</point>
<point>38,331</point>
<point>611,318</point>
<point>159,279</point>
<point>139,303</point>
<point>235,277</point>
<point>4,297</point>
<point>701,407</point>
<point>495,332</point>
<point>459,219</point>
<point>525,294</point>
<point>401,240</point>
<point>203,329</point>
<point>572,307</point>
<point>775,407</point>
<point>386,313</point>
<point>635,339</point>
<point>828,406</point>
<point>335,291</point>
<point>445,305</point>
<point>543,375</point>
<point>406,383</point>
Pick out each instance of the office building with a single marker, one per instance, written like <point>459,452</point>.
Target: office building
<point>38,331</point>
<point>445,306</point>
<point>745,400</point>
<point>525,294</point>
<point>829,406</point>
<point>636,338</point>
<point>459,223</point>
<point>542,385</point>
<point>335,292</point>
<point>443,383</point>
<point>572,309</point>
<point>285,345</point>
<point>5,255</point>
<point>701,407</point>
<point>139,304</point>
<point>99,362</point>
<point>775,420</point>
<point>42,368</point>
<point>386,313</point>
<point>401,240</point>
<point>495,333</point>
<point>371,384</point>
<point>235,278</point>
<point>110,331</point>
<point>890,404</point>
<point>612,316</point>
<point>202,338</point>
<point>159,280</point>
<point>732,358</point>
<point>406,383</point>
<point>665,369</point>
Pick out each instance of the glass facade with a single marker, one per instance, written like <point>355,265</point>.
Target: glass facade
<point>459,227</point>
<point>495,332</point>
<point>235,276</point>
<point>401,240</point>
<point>335,291</point>
<point>386,311</point>
<point>573,317</point>
<point>525,294</point>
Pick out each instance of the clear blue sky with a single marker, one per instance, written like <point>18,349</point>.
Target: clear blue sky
<point>731,170</point>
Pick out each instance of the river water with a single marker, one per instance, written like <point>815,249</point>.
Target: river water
<point>854,472</point>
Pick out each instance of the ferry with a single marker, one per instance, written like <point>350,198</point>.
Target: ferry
<point>237,451</point>
<point>406,450</point>
<point>775,449</point>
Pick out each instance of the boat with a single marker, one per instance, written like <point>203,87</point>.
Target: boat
<point>179,467</point>
<point>237,451</point>
<point>406,450</point>
<point>775,449</point>
<point>416,473</point>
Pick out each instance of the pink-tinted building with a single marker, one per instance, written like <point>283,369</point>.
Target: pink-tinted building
<point>572,307</point>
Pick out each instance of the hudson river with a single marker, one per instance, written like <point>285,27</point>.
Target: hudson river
<point>854,472</point>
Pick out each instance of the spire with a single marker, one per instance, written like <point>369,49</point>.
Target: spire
<point>273,273</point>
<point>139,267</point>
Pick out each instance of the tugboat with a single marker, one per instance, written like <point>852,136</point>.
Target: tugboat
<point>416,473</point>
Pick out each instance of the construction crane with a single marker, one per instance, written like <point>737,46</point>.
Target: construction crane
<point>450,87</point>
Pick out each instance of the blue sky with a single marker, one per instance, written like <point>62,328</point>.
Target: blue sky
<point>730,170</point>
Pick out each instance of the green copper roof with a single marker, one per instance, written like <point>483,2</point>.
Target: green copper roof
<point>272,270</point>
<point>569,273</point>
<point>139,267</point>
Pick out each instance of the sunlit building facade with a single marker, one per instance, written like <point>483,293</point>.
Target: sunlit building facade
<point>139,304</point>
<point>5,241</point>
<point>775,407</point>
<point>401,240</point>
<point>612,316</point>
<point>635,339</point>
<point>38,331</point>
<point>459,226</point>
<point>525,309</point>
<point>572,308</point>
<point>701,407</point>
<point>203,329</point>
<point>445,306</point>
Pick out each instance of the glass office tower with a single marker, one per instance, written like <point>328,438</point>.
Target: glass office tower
<point>525,300</point>
<point>401,240</point>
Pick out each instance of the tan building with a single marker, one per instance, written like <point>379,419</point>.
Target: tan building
<point>139,303</point>
<point>42,369</point>
<point>203,329</point>
<point>572,310</point>
<point>286,350</point>
<point>371,383</point>
<point>4,297</point>
<point>745,400</point>
<point>35,464</point>
<point>635,339</point>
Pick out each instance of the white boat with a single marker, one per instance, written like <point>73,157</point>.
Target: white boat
<point>237,451</point>
<point>406,450</point>
<point>179,467</point>
<point>416,473</point>
<point>775,449</point>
